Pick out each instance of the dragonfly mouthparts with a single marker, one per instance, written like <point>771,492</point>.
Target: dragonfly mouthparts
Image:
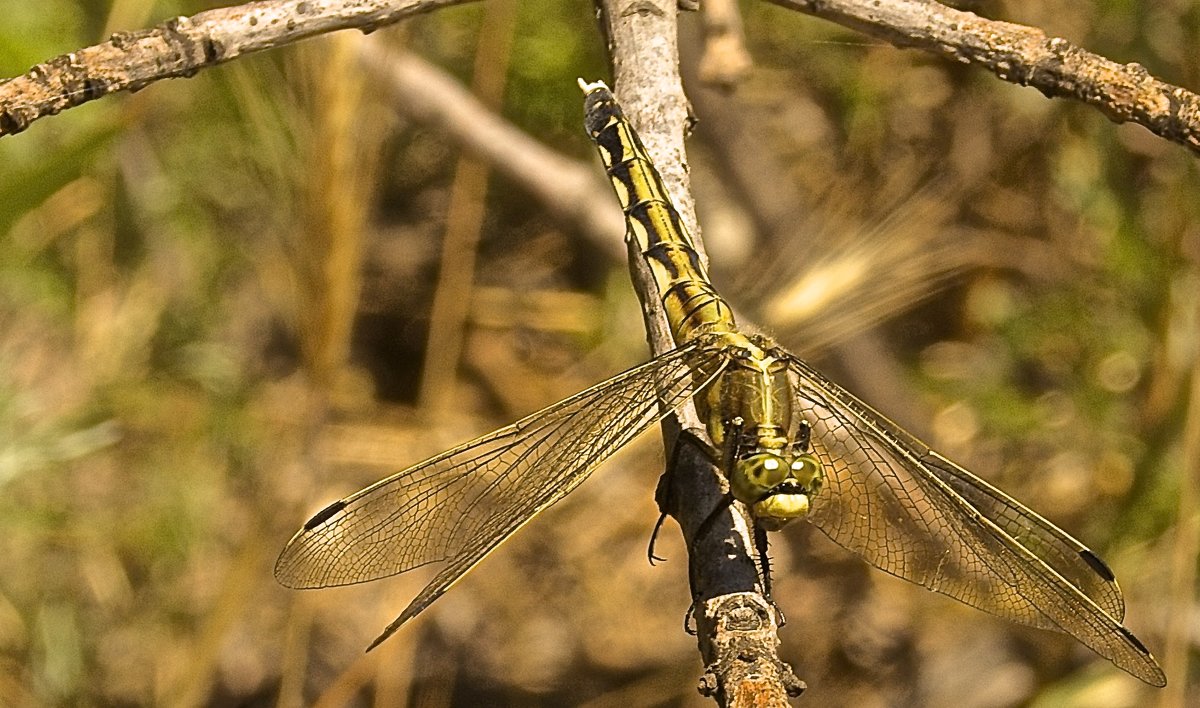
<point>788,487</point>
<point>781,504</point>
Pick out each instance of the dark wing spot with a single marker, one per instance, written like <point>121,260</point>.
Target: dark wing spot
<point>325,514</point>
<point>1097,565</point>
<point>1134,641</point>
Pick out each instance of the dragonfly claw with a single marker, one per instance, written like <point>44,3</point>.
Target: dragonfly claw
<point>653,537</point>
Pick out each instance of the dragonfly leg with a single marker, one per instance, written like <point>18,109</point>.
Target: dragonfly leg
<point>732,435</point>
<point>663,493</point>
<point>693,581</point>
<point>764,560</point>
<point>662,516</point>
<point>719,509</point>
<point>733,441</point>
<point>803,436</point>
<point>689,619</point>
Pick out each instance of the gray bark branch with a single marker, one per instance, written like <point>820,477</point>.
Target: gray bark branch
<point>182,46</point>
<point>735,621</point>
<point>1025,56</point>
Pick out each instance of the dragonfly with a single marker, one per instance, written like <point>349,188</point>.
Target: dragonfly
<point>792,445</point>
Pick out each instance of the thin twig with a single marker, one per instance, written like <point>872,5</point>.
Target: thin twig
<point>1026,56</point>
<point>735,621</point>
<point>569,189</point>
<point>182,46</point>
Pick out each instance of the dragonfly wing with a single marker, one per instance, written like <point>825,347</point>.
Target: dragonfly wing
<point>914,514</point>
<point>1068,557</point>
<point>456,507</point>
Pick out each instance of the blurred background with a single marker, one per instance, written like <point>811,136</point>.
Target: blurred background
<point>228,301</point>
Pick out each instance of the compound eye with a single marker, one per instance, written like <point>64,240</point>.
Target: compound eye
<point>807,470</point>
<point>755,475</point>
<point>766,468</point>
<point>770,465</point>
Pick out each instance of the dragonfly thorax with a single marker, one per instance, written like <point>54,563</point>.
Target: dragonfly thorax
<point>749,414</point>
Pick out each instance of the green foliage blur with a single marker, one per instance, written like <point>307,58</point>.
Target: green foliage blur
<point>214,305</point>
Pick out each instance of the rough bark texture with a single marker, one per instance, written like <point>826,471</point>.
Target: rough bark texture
<point>1025,56</point>
<point>182,46</point>
<point>735,621</point>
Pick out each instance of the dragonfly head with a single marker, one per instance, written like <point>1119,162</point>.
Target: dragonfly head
<point>778,488</point>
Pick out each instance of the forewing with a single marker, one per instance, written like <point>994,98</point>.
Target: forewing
<point>456,507</point>
<point>1074,561</point>
<point>910,512</point>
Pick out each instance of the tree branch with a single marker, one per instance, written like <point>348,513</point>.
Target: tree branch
<point>182,46</point>
<point>735,621</point>
<point>1025,56</point>
<point>570,189</point>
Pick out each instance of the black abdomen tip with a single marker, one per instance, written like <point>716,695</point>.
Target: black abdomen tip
<point>599,107</point>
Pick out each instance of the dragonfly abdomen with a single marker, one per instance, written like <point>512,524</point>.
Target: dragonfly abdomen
<point>692,305</point>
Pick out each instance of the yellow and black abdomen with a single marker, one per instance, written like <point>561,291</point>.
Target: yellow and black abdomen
<point>693,306</point>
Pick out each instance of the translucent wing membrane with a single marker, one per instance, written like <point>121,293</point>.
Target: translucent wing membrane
<point>914,514</point>
<point>1068,557</point>
<point>886,497</point>
<point>456,507</point>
